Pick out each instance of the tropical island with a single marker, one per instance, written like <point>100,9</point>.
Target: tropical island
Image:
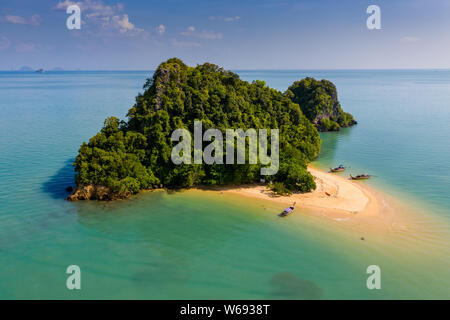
<point>319,102</point>
<point>126,157</point>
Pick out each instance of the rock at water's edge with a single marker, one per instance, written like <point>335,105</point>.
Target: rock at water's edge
<point>93,192</point>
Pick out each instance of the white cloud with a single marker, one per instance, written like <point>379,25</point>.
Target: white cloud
<point>161,29</point>
<point>96,6</point>
<point>14,19</point>
<point>35,20</point>
<point>123,23</point>
<point>226,19</point>
<point>102,16</point>
<point>4,43</point>
<point>231,19</point>
<point>62,5</point>
<point>189,32</point>
<point>203,34</point>
<point>409,39</point>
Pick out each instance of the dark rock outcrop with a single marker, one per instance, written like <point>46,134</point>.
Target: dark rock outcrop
<point>93,192</point>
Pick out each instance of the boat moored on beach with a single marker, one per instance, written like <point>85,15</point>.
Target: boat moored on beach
<point>360,177</point>
<point>338,169</point>
<point>287,211</point>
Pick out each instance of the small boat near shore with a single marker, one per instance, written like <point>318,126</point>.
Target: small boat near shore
<point>287,211</point>
<point>360,177</point>
<point>338,169</point>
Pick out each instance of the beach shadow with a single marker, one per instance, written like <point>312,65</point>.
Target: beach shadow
<point>57,184</point>
<point>290,287</point>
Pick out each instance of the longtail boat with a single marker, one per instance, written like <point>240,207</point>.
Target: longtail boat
<point>338,169</point>
<point>360,177</point>
<point>287,211</point>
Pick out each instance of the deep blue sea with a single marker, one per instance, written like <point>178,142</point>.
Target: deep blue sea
<point>197,245</point>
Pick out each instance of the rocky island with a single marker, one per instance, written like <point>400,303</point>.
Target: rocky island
<point>319,102</point>
<point>126,157</point>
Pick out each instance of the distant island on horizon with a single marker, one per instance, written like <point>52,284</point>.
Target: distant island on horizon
<point>57,69</point>
<point>30,69</point>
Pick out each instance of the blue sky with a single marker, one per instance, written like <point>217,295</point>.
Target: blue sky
<point>244,34</point>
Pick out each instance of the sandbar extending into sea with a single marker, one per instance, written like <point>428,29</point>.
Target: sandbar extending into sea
<point>349,203</point>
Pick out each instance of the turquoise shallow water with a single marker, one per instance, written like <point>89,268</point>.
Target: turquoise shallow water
<point>208,245</point>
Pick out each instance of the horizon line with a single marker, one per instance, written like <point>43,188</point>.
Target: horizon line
<point>232,69</point>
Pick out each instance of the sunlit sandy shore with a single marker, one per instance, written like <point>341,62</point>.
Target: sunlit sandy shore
<point>334,194</point>
<point>336,198</point>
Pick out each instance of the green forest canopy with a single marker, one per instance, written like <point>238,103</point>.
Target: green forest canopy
<point>128,156</point>
<point>319,102</point>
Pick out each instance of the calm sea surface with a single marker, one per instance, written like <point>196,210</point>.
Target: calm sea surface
<point>208,245</point>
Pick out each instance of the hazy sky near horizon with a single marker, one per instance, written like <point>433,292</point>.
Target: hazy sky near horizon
<point>244,34</point>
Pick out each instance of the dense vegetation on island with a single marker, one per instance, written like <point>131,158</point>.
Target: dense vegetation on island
<point>128,156</point>
<point>319,102</point>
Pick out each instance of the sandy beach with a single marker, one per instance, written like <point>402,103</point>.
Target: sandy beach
<point>334,193</point>
<point>337,198</point>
